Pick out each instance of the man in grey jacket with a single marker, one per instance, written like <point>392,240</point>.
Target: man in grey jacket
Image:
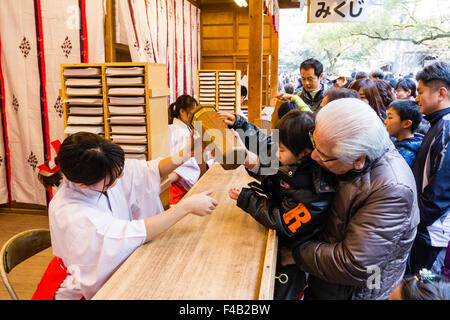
<point>363,249</point>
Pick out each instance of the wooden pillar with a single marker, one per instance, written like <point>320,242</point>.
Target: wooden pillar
<point>274,66</point>
<point>255,47</point>
<point>110,53</point>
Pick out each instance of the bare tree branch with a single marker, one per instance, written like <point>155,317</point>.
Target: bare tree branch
<point>378,36</point>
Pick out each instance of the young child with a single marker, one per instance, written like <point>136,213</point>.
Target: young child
<point>293,201</point>
<point>183,178</point>
<point>403,119</point>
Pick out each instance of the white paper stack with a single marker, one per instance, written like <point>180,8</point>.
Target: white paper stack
<point>84,120</point>
<point>87,110</point>
<point>138,156</point>
<point>128,139</point>
<point>75,129</point>
<point>83,82</point>
<point>127,91</point>
<point>128,129</point>
<point>84,101</point>
<point>129,148</point>
<point>122,71</point>
<point>227,90</point>
<point>126,109</point>
<point>127,100</point>
<point>83,91</point>
<point>122,81</point>
<point>82,71</point>
<point>127,120</point>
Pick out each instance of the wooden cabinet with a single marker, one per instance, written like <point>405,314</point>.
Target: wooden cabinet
<point>125,102</point>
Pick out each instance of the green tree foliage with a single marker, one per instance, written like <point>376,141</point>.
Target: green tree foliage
<point>424,24</point>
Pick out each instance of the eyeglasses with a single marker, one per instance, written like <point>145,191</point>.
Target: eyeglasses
<point>318,152</point>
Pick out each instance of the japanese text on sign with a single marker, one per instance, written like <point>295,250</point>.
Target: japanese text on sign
<point>338,11</point>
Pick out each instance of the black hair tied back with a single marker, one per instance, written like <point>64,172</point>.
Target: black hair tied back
<point>87,158</point>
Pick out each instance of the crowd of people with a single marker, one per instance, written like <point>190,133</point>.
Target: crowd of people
<point>386,145</point>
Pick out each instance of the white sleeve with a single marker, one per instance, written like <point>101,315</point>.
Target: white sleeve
<point>145,182</point>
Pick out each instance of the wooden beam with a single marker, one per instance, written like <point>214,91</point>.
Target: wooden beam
<point>110,53</point>
<point>274,66</point>
<point>255,41</point>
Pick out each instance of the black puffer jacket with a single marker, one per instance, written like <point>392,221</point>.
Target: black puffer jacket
<point>294,201</point>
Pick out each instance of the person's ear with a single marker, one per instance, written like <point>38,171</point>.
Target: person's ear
<point>408,93</point>
<point>406,124</point>
<point>443,92</point>
<point>358,164</point>
<point>321,77</point>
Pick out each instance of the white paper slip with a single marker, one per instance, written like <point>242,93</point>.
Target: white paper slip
<point>138,156</point>
<point>227,73</point>
<point>124,71</point>
<point>126,109</point>
<point>83,82</point>
<point>129,129</point>
<point>128,139</point>
<point>207,78</point>
<point>132,80</point>
<point>127,100</point>
<point>127,91</point>
<point>84,101</point>
<point>82,71</point>
<point>227,87</point>
<point>133,148</point>
<point>205,82</point>
<point>89,110</point>
<point>83,91</point>
<point>84,120</point>
<point>125,119</point>
<point>207,94</point>
<point>207,73</point>
<point>227,82</point>
<point>75,129</point>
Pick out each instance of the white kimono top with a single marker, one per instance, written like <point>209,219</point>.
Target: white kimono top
<point>189,171</point>
<point>93,233</point>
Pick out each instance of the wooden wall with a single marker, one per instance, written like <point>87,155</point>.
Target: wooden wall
<point>224,41</point>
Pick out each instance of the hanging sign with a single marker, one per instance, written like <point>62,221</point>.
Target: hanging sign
<point>320,11</point>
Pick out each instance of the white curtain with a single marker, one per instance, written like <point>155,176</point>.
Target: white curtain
<point>172,28</point>
<point>36,37</point>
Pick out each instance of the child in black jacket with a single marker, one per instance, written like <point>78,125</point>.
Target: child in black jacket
<point>293,201</point>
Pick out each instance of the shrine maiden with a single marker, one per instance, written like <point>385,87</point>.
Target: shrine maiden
<point>183,178</point>
<point>106,207</point>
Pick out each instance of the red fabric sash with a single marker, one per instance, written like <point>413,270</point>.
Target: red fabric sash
<point>176,192</point>
<point>51,280</point>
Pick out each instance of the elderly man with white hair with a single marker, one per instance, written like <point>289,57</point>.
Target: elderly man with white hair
<point>363,249</point>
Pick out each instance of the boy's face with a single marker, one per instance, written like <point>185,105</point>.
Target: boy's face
<point>427,99</point>
<point>394,124</point>
<point>285,156</point>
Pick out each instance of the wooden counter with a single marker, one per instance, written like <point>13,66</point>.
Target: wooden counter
<point>226,255</point>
